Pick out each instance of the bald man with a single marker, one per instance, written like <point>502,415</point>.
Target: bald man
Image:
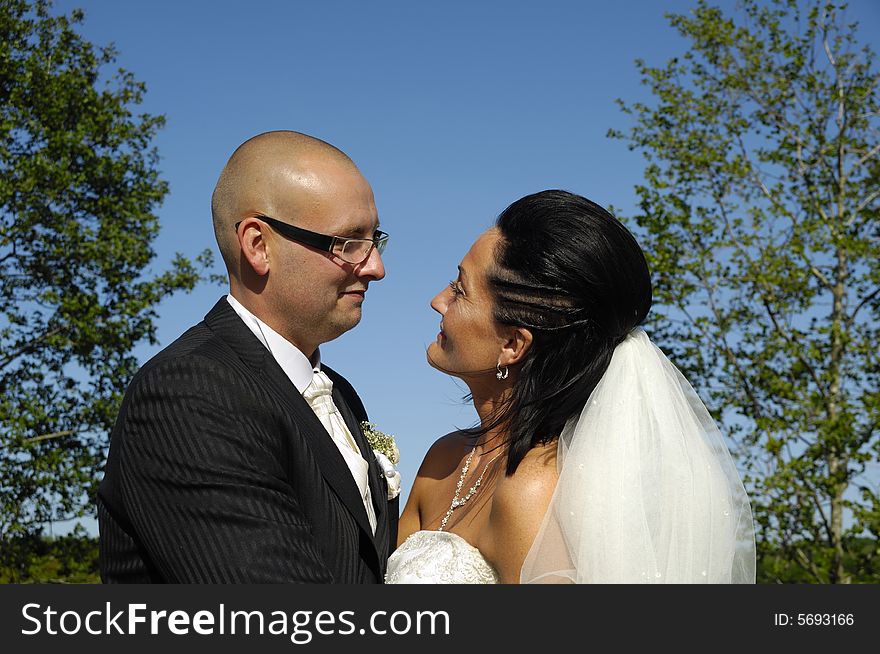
<point>238,456</point>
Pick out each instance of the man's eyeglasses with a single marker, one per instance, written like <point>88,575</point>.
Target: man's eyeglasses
<point>350,250</point>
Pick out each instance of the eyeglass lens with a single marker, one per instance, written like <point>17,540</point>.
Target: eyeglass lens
<point>357,250</point>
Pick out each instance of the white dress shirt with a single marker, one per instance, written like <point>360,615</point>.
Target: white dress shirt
<point>315,387</point>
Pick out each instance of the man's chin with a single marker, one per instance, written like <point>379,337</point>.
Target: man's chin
<point>347,322</point>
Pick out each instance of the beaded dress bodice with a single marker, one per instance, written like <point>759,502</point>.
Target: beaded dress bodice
<point>438,557</point>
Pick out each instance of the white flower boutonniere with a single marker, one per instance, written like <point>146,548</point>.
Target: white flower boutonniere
<point>387,455</point>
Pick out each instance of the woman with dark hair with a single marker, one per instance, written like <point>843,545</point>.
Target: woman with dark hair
<point>594,460</point>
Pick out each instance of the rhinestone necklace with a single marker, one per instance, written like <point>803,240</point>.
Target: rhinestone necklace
<point>456,502</point>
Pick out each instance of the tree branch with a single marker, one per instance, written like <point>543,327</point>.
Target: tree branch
<point>818,506</point>
<point>791,343</point>
<point>873,196</point>
<point>721,343</point>
<point>22,349</point>
<point>46,437</point>
<point>766,304</point>
<point>756,178</point>
<point>867,156</point>
<point>825,45</point>
<point>808,564</point>
<point>867,298</point>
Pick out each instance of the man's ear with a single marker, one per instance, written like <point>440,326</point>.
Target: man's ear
<point>254,250</point>
<point>515,348</point>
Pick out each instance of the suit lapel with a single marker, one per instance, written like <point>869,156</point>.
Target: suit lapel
<point>224,321</point>
<point>378,489</point>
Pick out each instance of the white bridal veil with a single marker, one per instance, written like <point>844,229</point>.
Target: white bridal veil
<point>647,491</point>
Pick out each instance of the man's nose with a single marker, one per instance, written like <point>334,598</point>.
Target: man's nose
<point>372,266</point>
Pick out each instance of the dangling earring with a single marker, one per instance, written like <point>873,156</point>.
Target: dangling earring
<point>500,375</point>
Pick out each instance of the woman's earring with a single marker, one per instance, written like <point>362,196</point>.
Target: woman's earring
<point>501,375</point>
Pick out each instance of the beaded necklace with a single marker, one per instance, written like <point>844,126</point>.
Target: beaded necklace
<point>456,502</point>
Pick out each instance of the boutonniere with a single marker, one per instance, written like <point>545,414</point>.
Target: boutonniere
<point>387,455</point>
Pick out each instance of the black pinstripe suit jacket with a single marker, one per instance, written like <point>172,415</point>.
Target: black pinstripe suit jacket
<point>219,472</point>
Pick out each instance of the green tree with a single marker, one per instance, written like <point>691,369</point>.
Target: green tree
<point>78,187</point>
<point>759,213</point>
<point>68,559</point>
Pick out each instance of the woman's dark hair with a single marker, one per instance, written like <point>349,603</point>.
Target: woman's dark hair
<point>570,272</point>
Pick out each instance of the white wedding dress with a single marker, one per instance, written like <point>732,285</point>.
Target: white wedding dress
<point>438,557</point>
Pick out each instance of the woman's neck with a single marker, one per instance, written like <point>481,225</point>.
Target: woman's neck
<point>489,406</point>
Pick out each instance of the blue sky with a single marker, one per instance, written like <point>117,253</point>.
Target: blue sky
<point>451,110</point>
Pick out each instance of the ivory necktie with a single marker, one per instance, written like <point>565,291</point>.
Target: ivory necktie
<point>319,396</point>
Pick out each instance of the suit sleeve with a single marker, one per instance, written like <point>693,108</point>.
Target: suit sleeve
<point>202,479</point>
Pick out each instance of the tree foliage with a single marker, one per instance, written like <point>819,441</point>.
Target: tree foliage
<point>78,188</point>
<point>759,213</point>
<point>68,559</point>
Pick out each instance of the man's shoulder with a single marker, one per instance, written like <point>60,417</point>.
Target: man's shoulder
<point>199,347</point>
<point>196,342</point>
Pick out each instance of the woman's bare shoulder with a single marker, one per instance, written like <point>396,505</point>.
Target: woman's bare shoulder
<point>441,461</point>
<point>444,455</point>
<point>518,507</point>
<point>535,478</point>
